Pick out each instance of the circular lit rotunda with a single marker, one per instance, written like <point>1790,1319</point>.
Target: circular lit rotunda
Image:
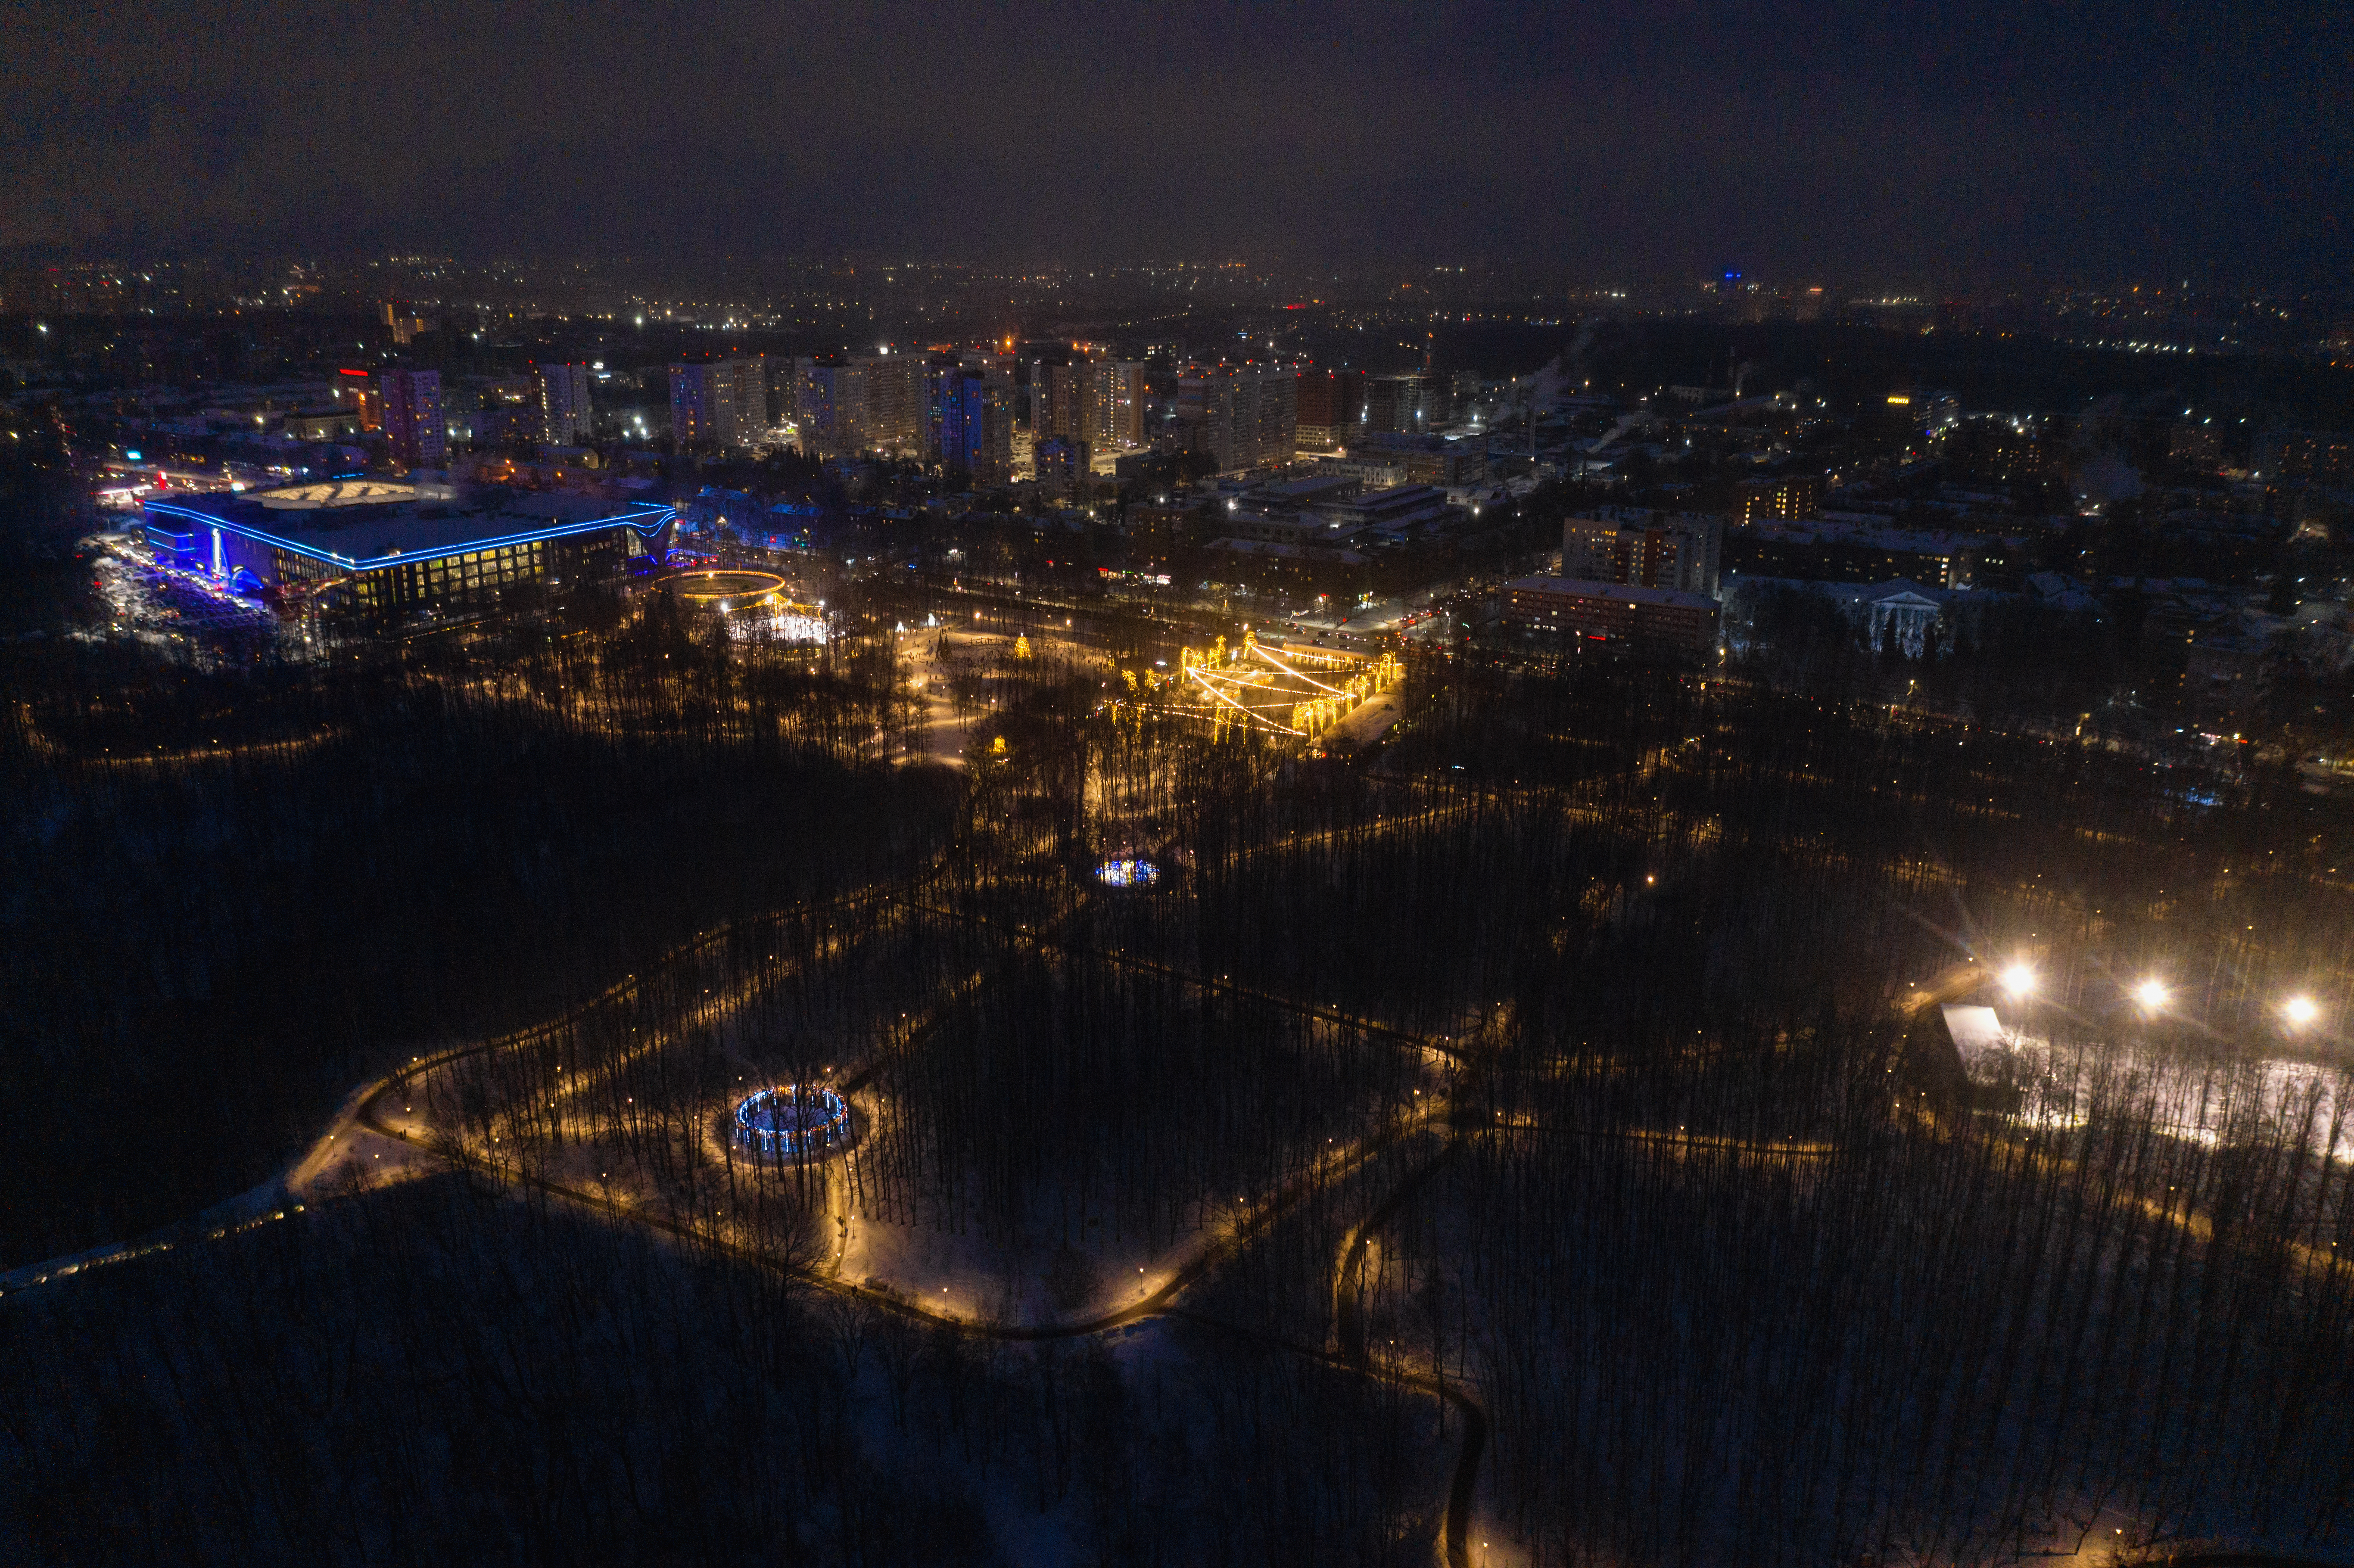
<point>793,1121</point>
<point>1127,871</point>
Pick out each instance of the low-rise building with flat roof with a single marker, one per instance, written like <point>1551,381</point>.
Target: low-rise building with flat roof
<point>1393,514</point>
<point>1643,619</point>
<point>1425,458</point>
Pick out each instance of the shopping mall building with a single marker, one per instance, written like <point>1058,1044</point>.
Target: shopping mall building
<point>389,548</point>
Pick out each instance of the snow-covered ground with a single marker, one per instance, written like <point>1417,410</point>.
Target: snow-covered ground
<point>2204,1098</point>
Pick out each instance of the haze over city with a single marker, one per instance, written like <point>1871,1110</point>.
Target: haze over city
<point>2090,144</point>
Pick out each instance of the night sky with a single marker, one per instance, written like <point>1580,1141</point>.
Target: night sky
<point>1849,141</point>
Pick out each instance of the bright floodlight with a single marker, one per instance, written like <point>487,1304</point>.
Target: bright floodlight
<point>2151,994</point>
<point>2300,1010</point>
<point>2019,979</point>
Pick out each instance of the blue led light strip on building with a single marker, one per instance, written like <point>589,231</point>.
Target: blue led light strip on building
<point>648,520</point>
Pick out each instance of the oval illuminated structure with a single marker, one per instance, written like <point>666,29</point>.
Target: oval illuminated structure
<point>726,588</point>
<point>1127,871</point>
<point>791,1119</point>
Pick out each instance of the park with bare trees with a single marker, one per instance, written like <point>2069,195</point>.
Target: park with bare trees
<point>1540,1141</point>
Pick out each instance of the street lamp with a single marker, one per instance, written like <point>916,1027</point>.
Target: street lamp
<point>2300,1010</point>
<point>2151,994</point>
<point>2019,979</point>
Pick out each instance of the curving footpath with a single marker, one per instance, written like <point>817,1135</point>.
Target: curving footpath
<point>364,1112</point>
<point>1160,1303</point>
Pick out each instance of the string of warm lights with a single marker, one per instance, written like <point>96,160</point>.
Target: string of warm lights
<point>2153,995</point>
<point>1242,691</point>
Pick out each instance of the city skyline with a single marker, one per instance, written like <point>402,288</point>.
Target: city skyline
<point>1400,787</point>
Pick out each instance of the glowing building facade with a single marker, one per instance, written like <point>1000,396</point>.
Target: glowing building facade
<point>412,416</point>
<point>1116,407</point>
<point>563,414</point>
<point>721,402</point>
<point>1637,546</point>
<point>1244,415</point>
<point>386,550</point>
<point>971,421</point>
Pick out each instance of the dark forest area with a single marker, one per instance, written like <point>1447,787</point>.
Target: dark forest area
<point>234,892</point>
<point>1543,1130</point>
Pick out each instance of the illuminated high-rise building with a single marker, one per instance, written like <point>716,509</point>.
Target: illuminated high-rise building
<point>1331,406</point>
<point>412,416</point>
<point>846,404</point>
<point>564,412</point>
<point>1116,405</point>
<point>722,403</point>
<point>970,419</point>
<point>1244,415</point>
<point>1061,394</point>
<point>695,413</point>
<point>893,417</point>
<point>829,403</point>
<point>1637,546</point>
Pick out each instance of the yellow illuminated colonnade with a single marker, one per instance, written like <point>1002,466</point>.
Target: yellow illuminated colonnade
<point>1252,687</point>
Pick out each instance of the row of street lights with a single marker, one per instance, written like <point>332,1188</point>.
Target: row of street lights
<point>2296,1010</point>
